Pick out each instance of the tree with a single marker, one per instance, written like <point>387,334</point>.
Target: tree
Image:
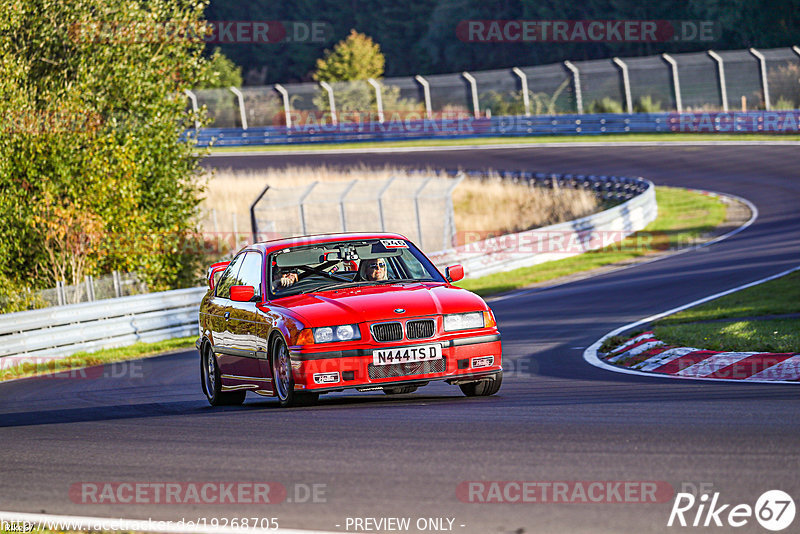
<point>355,58</point>
<point>92,91</point>
<point>221,72</point>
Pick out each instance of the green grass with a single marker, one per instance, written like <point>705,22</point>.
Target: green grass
<point>683,217</point>
<point>88,359</point>
<point>775,297</point>
<point>471,141</point>
<point>776,335</point>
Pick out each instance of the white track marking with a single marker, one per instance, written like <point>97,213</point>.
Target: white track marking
<point>714,363</point>
<point>635,351</point>
<point>664,358</point>
<point>633,341</point>
<point>590,354</point>
<point>788,369</point>
<point>74,522</point>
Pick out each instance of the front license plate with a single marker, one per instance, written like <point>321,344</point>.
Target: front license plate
<point>417,353</point>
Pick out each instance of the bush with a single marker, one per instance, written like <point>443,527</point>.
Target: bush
<point>606,105</point>
<point>646,104</point>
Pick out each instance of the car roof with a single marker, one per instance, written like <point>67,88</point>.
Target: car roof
<point>278,244</point>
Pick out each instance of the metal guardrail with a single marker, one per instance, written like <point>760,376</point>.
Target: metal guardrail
<point>60,331</point>
<point>518,125</point>
<point>56,332</point>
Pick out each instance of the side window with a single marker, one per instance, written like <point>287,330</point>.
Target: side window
<point>250,273</point>
<point>228,278</point>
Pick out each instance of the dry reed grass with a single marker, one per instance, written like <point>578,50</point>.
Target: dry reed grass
<point>481,206</point>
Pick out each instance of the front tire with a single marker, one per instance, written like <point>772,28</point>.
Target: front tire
<point>212,382</point>
<point>482,388</point>
<point>283,379</point>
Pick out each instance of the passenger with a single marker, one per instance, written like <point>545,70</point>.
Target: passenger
<point>373,270</point>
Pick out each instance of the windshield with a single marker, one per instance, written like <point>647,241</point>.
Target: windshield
<point>341,264</point>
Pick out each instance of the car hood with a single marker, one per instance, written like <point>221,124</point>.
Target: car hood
<point>378,303</point>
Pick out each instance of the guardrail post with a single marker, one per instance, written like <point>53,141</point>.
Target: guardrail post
<point>380,201</point>
<point>762,61</point>
<point>416,208</point>
<point>341,204</point>
<point>89,288</point>
<point>626,83</point>
<point>426,91</point>
<point>723,88</point>
<point>287,111</point>
<point>449,221</point>
<point>676,84</point>
<point>193,100</point>
<point>474,90</point>
<point>60,293</point>
<point>576,83</point>
<point>331,101</point>
<point>240,99</point>
<point>301,204</point>
<point>378,97</point>
<point>117,283</point>
<point>253,221</point>
<point>526,100</point>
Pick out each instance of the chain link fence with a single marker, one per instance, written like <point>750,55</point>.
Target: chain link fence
<point>419,207</point>
<point>701,81</point>
<point>105,287</point>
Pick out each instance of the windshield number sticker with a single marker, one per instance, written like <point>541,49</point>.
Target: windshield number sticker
<point>394,243</point>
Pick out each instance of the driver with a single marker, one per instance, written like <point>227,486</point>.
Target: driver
<point>283,278</point>
<point>373,270</point>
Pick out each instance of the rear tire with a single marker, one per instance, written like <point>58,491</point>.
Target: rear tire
<point>400,390</point>
<point>212,382</point>
<point>482,388</point>
<point>283,378</point>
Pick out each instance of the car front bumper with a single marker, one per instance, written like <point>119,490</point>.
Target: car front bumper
<point>463,358</point>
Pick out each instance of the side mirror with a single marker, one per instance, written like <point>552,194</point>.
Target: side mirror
<point>242,293</point>
<point>214,272</point>
<point>454,273</point>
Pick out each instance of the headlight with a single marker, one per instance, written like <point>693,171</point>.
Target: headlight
<point>345,332</point>
<point>463,321</point>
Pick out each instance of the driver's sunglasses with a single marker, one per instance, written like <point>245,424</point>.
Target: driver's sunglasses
<point>378,265</point>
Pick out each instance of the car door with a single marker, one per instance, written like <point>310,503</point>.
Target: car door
<point>219,310</point>
<point>247,329</point>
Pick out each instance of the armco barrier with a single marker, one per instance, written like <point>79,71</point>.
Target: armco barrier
<point>462,126</point>
<point>60,331</point>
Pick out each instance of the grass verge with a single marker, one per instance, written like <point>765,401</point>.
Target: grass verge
<point>88,359</point>
<point>684,217</point>
<point>533,140</point>
<point>773,335</point>
<point>758,329</point>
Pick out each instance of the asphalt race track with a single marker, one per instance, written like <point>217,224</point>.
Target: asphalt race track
<point>556,418</point>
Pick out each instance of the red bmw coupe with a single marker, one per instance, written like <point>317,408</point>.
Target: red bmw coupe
<point>298,317</point>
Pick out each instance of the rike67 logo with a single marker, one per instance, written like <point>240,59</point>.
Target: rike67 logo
<point>774,510</point>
